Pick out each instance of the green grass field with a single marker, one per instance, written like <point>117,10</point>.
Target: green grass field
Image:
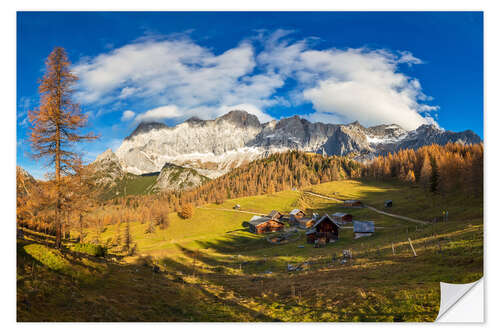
<point>131,185</point>
<point>213,269</point>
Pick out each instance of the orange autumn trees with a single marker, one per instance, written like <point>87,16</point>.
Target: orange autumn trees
<point>56,126</point>
<point>442,169</point>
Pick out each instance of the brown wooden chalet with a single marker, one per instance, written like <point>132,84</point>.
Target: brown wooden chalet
<point>325,230</point>
<point>353,203</point>
<point>342,218</point>
<point>263,224</point>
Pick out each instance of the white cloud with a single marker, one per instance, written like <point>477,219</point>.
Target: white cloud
<point>353,84</point>
<point>128,115</point>
<point>159,114</point>
<point>185,79</point>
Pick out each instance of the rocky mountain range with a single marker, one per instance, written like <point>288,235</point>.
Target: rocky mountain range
<point>213,147</point>
<point>189,153</point>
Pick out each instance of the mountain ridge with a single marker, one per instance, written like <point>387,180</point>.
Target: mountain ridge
<point>213,147</point>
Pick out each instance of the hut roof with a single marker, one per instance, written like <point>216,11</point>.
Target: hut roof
<point>340,214</point>
<point>352,201</point>
<point>256,220</point>
<point>273,213</point>
<point>323,218</point>
<point>296,211</point>
<point>364,226</point>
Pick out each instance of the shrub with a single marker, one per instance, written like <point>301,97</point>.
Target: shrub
<point>91,249</point>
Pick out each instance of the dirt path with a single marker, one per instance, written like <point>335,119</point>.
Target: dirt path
<point>233,210</point>
<point>401,217</point>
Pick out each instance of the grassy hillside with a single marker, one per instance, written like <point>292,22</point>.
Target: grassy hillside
<point>213,269</point>
<point>131,184</point>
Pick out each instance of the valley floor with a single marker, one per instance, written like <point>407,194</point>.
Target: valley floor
<point>213,269</point>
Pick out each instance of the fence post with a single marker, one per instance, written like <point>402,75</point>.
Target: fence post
<point>411,245</point>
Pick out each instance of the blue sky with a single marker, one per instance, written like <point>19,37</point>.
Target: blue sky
<point>406,68</point>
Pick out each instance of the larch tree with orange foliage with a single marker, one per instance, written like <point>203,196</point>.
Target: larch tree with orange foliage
<point>57,124</point>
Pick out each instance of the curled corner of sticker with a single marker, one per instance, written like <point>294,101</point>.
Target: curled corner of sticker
<point>452,295</point>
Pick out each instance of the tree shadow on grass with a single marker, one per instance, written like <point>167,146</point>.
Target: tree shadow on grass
<point>125,292</point>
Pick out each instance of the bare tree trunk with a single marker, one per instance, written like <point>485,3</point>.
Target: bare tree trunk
<point>58,167</point>
<point>81,227</point>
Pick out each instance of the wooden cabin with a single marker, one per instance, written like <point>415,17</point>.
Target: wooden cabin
<point>353,203</point>
<point>325,230</point>
<point>363,228</point>
<point>263,224</point>
<point>305,222</point>
<point>342,218</point>
<point>295,215</point>
<point>274,214</point>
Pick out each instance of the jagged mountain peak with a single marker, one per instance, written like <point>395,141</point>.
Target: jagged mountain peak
<point>356,124</point>
<point>240,118</point>
<point>429,127</point>
<point>145,127</point>
<point>194,119</point>
<point>107,154</point>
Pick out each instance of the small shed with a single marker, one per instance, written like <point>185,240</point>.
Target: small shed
<point>295,215</point>
<point>274,214</point>
<point>363,228</point>
<point>388,204</point>
<point>325,230</point>
<point>263,224</point>
<point>353,203</point>
<point>342,218</point>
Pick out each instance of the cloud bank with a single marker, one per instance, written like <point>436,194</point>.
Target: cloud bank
<point>181,78</point>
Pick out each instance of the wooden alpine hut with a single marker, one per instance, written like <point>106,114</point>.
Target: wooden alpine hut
<point>295,215</point>
<point>342,218</point>
<point>263,224</point>
<point>353,203</point>
<point>325,230</point>
<point>305,222</point>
